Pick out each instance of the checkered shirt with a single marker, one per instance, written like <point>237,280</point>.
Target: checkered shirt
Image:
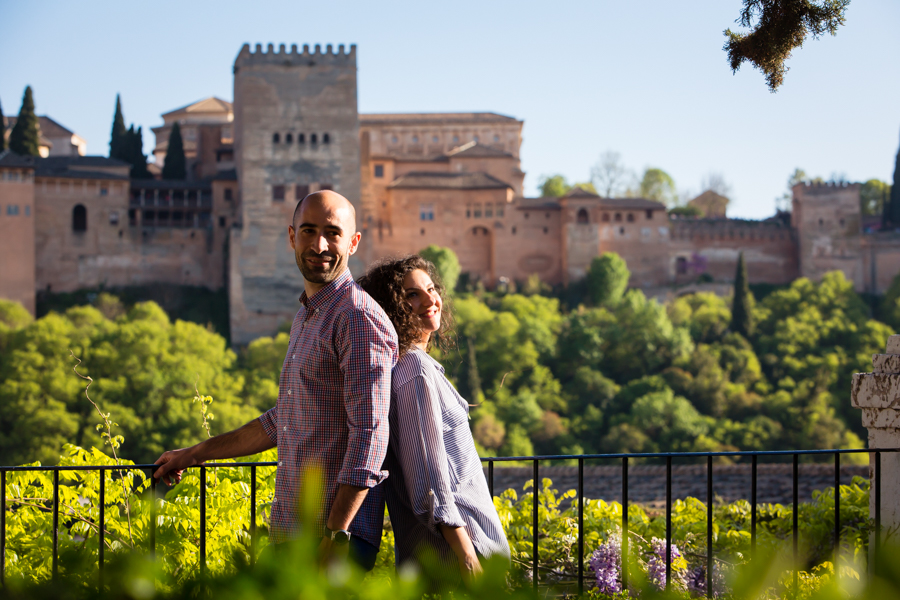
<point>332,410</point>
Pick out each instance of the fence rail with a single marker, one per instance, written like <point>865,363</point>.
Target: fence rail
<point>875,489</point>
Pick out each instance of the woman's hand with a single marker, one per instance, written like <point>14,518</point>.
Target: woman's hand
<point>469,566</point>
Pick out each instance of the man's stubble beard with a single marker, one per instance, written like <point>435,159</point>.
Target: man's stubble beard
<point>337,264</point>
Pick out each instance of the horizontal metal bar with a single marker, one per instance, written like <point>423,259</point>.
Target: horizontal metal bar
<point>139,467</point>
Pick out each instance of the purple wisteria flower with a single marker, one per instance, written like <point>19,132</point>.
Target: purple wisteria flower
<point>656,566</point>
<point>606,563</point>
<point>696,581</point>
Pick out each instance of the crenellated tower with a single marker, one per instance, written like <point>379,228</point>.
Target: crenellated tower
<point>296,130</point>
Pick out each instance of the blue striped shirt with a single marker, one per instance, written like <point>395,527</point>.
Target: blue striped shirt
<point>435,473</point>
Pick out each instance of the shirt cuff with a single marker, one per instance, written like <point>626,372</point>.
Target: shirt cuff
<point>269,422</point>
<point>361,477</point>
<point>443,514</point>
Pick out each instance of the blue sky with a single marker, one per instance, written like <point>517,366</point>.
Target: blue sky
<point>647,79</point>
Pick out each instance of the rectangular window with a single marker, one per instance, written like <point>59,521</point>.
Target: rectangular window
<point>326,186</point>
<point>645,232</point>
<point>300,192</point>
<point>132,217</point>
<point>27,210</point>
<point>104,191</point>
<point>488,210</point>
<point>12,210</point>
<point>379,171</point>
<point>113,218</point>
<point>221,221</point>
<point>278,193</point>
<point>477,212</point>
<point>426,212</point>
<point>468,211</point>
<point>499,209</point>
<point>649,214</point>
<point>229,194</point>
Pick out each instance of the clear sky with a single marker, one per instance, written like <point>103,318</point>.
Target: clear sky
<point>648,79</point>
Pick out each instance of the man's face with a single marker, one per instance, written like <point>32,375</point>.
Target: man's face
<point>323,238</point>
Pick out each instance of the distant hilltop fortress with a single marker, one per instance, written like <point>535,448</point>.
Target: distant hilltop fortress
<point>69,221</point>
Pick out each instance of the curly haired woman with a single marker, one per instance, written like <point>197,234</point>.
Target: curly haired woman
<point>436,493</point>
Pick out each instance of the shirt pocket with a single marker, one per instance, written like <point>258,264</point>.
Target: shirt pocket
<point>462,459</point>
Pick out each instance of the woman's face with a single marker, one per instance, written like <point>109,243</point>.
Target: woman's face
<point>424,299</point>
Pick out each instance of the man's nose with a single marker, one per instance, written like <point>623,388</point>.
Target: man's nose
<point>320,244</point>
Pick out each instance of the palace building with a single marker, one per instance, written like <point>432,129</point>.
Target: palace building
<point>69,221</point>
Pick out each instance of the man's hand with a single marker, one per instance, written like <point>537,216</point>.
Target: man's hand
<point>329,551</point>
<point>173,463</point>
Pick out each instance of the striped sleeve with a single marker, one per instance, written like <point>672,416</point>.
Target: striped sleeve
<point>423,458</point>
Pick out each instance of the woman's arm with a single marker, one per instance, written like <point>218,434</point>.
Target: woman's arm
<point>459,540</point>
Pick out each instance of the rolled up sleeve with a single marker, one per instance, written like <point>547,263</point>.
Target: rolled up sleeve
<point>269,421</point>
<point>423,456</point>
<point>367,350</point>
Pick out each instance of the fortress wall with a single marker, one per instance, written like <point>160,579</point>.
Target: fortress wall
<point>713,246</point>
<point>17,237</point>
<point>880,260</point>
<point>111,252</point>
<point>529,242</point>
<point>286,91</point>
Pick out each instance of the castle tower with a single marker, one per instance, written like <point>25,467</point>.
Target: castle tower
<point>827,219</point>
<point>296,130</point>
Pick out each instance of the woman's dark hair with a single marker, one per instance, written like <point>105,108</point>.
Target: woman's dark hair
<point>384,282</point>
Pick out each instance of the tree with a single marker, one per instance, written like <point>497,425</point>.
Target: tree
<point>716,182</point>
<point>609,175</point>
<point>25,136</point>
<point>175,166</point>
<point>554,186</point>
<point>777,27</point>
<point>2,130</point>
<point>135,153</point>
<point>741,318</point>
<point>893,216</point>
<point>445,263</point>
<point>607,279</point>
<point>874,196</point>
<point>117,142</point>
<point>584,185</point>
<point>658,185</point>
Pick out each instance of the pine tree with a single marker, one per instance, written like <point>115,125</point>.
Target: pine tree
<point>117,141</point>
<point>741,320</point>
<point>2,130</point>
<point>25,136</point>
<point>469,381</point>
<point>175,166</point>
<point>893,218</point>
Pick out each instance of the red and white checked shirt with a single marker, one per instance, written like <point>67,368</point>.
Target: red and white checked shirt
<point>332,410</point>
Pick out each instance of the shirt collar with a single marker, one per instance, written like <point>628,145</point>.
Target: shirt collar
<point>439,366</point>
<point>330,292</point>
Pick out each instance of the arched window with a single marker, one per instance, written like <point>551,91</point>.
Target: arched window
<point>289,138</point>
<point>276,138</point>
<point>325,138</point>
<point>605,217</point>
<point>301,138</point>
<point>79,218</point>
<point>582,216</point>
<point>313,139</point>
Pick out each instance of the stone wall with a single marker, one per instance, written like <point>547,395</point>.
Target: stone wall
<point>17,241</point>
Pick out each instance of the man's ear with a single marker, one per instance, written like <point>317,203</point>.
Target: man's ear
<point>354,243</point>
<point>291,234</point>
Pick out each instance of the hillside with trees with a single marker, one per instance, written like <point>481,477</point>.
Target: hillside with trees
<point>614,372</point>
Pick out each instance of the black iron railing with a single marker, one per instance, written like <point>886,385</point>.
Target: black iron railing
<point>795,455</point>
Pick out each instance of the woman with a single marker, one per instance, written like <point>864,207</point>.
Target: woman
<point>436,493</point>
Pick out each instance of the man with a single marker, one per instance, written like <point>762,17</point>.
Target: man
<point>333,397</point>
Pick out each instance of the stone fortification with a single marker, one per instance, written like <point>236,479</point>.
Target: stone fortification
<point>17,243</point>
<point>296,130</point>
<point>827,219</point>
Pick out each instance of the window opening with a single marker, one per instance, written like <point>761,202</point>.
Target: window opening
<point>79,218</point>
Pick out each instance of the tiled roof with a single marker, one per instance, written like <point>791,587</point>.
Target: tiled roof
<point>170,184</point>
<point>457,181</point>
<point>8,158</point>
<point>207,105</point>
<point>434,118</point>
<point>577,192</point>
<point>543,203</point>
<point>226,175</point>
<point>633,203</point>
<point>78,167</point>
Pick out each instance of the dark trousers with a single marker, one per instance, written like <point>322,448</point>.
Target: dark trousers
<point>360,552</point>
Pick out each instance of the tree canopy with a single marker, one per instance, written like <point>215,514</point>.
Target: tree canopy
<point>2,130</point>
<point>24,138</point>
<point>554,186</point>
<point>658,185</point>
<point>175,166</point>
<point>445,262</point>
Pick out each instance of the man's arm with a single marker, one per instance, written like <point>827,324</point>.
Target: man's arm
<point>249,439</point>
<point>346,504</point>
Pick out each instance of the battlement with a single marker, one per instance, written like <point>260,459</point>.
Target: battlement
<point>305,57</point>
<point>828,184</point>
<point>730,229</point>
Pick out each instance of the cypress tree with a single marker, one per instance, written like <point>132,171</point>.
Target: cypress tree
<point>2,130</point>
<point>741,321</point>
<point>136,154</point>
<point>25,136</point>
<point>175,166</point>
<point>894,204</point>
<point>117,139</point>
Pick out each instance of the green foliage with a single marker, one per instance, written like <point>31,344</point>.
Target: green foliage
<point>776,29</point>
<point>24,138</point>
<point>741,305</point>
<point>117,136</point>
<point>554,186</point>
<point>658,185</point>
<point>128,145</point>
<point>175,165</point>
<point>2,130</point>
<point>445,262</point>
<point>893,216</point>
<point>874,197</point>
<point>586,186</point>
<point>607,279</point>
<point>687,210</point>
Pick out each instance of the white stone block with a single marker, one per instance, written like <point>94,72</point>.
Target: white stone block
<point>875,390</point>
<point>886,363</point>
<point>893,344</point>
<point>881,418</point>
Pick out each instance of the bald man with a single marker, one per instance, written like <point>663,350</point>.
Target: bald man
<point>333,396</point>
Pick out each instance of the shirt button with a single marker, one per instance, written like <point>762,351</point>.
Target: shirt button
<point>289,392</point>
<point>285,428</point>
<point>317,311</point>
<point>279,463</point>
<point>294,356</point>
